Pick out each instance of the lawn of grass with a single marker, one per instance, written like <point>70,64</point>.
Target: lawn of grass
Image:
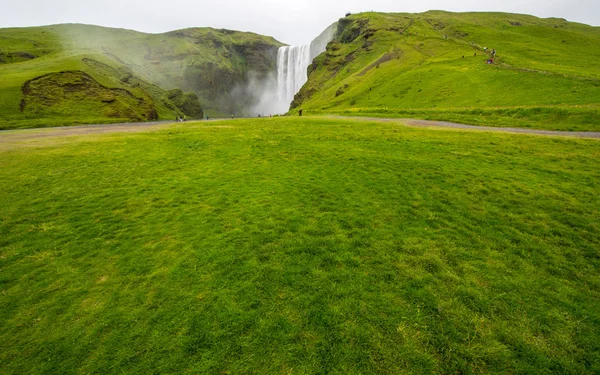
<point>302,246</point>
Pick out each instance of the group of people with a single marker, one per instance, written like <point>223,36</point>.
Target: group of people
<point>183,118</point>
<point>492,56</point>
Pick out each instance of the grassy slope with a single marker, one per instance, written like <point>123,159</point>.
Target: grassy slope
<point>53,56</point>
<point>205,60</point>
<point>159,59</point>
<point>300,245</point>
<point>547,72</point>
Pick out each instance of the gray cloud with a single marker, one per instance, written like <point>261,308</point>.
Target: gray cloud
<point>292,22</point>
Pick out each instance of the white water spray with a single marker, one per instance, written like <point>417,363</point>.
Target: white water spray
<point>292,65</point>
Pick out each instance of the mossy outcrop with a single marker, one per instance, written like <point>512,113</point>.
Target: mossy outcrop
<point>186,103</point>
<point>75,93</point>
<point>15,57</point>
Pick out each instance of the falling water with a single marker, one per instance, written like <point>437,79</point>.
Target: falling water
<point>293,62</point>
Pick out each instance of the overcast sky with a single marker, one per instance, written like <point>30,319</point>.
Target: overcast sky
<point>292,22</point>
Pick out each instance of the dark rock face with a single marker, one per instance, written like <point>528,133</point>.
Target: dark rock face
<point>176,100</point>
<point>14,57</point>
<point>350,29</point>
<point>260,57</point>
<point>216,67</point>
<point>187,103</point>
<point>217,83</point>
<point>301,96</point>
<point>24,55</point>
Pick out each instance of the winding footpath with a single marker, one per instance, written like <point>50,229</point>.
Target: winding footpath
<point>14,138</point>
<point>445,124</point>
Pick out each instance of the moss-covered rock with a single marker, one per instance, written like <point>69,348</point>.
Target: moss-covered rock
<point>75,93</point>
<point>351,28</point>
<point>14,57</point>
<point>186,103</point>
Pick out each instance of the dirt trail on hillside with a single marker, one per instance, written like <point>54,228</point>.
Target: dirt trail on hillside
<point>445,124</point>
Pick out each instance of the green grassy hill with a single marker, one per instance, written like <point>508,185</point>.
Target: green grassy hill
<point>67,74</point>
<point>433,65</point>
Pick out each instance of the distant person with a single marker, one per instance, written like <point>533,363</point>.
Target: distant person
<point>231,116</point>
<point>207,117</point>
<point>259,115</point>
<point>300,113</point>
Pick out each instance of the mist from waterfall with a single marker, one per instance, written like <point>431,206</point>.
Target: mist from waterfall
<point>292,65</point>
<point>274,93</point>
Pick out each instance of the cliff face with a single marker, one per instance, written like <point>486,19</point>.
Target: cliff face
<point>208,69</point>
<point>212,63</point>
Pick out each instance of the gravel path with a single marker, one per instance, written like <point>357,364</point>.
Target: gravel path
<point>12,138</point>
<point>445,124</point>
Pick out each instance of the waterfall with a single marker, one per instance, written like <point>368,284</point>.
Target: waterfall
<point>293,62</point>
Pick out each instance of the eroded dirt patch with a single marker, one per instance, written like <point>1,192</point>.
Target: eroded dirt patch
<point>12,139</point>
<point>40,137</point>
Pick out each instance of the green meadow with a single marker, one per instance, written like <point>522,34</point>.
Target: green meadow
<point>299,246</point>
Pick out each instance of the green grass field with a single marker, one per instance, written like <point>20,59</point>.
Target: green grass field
<point>300,246</point>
